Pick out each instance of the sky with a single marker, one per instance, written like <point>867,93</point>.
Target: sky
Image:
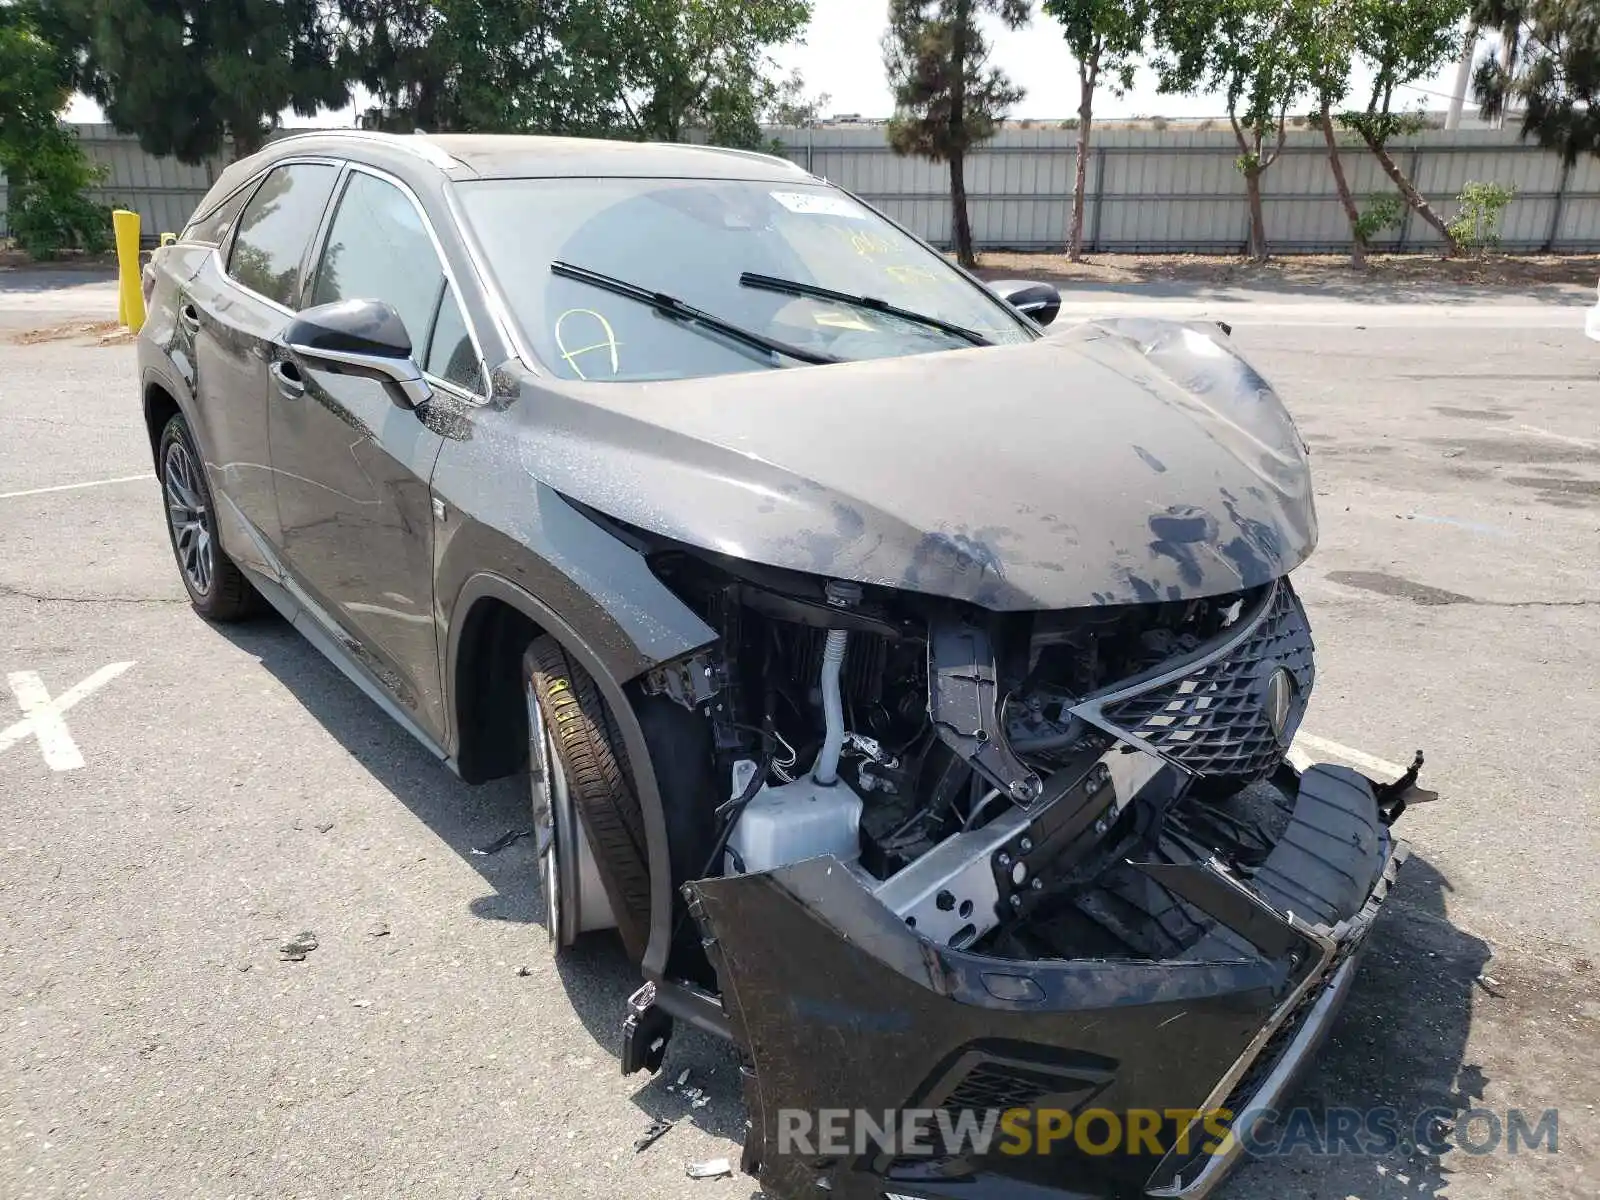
<point>842,56</point>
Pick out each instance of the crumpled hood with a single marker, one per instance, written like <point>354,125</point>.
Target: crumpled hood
<point>1112,462</point>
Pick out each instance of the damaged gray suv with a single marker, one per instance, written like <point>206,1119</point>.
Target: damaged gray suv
<point>909,685</point>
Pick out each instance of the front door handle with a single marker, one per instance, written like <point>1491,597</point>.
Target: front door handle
<point>291,384</point>
<point>189,317</point>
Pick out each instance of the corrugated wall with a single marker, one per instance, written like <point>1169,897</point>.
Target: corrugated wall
<point>163,191</point>
<point>1147,191</point>
<point>1179,191</point>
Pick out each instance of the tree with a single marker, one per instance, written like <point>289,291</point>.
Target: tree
<point>1549,65</point>
<point>704,64</point>
<point>947,98</point>
<point>1261,55</point>
<point>506,66</point>
<point>1106,37</point>
<point>46,172</point>
<point>791,108</point>
<point>1332,51</point>
<point>1403,41</point>
<point>186,75</point>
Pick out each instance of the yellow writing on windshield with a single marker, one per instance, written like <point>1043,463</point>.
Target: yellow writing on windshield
<point>911,276</point>
<point>842,320</point>
<point>607,342</point>
<point>864,244</point>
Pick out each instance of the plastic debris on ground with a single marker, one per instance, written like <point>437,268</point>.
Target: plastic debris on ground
<point>501,842</point>
<point>296,948</point>
<point>715,1168</point>
<point>652,1135</point>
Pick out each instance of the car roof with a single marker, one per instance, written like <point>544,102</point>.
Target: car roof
<point>524,156</point>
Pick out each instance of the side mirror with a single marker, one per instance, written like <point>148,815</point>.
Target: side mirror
<point>1041,301</point>
<point>364,338</point>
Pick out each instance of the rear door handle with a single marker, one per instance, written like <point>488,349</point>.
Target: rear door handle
<point>291,384</point>
<point>189,317</point>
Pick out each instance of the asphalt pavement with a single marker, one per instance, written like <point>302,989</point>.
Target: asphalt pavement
<point>186,797</point>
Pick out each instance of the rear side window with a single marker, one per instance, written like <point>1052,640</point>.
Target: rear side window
<point>276,227</point>
<point>378,249</point>
<point>214,229</point>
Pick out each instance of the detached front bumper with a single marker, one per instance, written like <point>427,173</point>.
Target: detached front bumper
<point>843,1010</point>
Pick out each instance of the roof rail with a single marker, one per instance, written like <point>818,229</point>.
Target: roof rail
<point>409,143</point>
<point>758,155</point>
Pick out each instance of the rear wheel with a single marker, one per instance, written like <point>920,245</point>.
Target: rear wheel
<point>217,588</point>
<point>594,864</point>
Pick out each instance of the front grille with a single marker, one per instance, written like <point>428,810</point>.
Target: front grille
<point>1213,721</point>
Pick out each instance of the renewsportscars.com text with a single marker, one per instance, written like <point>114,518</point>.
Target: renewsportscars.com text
<point>1261,1133</point>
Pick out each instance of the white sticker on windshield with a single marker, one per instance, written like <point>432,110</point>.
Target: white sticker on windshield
<point>820,204</point>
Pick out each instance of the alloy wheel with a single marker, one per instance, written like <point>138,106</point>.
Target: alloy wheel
<point>189,518</point>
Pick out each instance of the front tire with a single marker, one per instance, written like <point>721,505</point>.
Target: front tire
<point>577,764</point>
<point>217,588</point>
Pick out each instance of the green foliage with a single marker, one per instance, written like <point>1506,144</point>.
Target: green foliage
<point>1379,128</point>
<point>1548,67</point>
<point>1106,37</point>
<point>704,64</point>
<point>47,209</point>
<point>35,75</point>
<point>1261,56</point>
<point>1403,41</point>
<point>46,172</point>
<point>947,96</point>
<point>494,66</point>
<point>653,69</point>
<point>1476,226</point>
<point>791,108</point>
<point>1381,213</point>
<point>184,75</point>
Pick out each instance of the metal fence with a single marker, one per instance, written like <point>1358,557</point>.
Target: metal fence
<point>163,191</point>
<point>1148,191</point>
<point>1178,191</point>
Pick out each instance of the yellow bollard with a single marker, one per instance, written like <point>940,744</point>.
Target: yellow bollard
<point>130,293</point>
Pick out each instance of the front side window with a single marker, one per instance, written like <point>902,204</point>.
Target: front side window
<point>451,355</point>
<point>378,249</point>
<point>276,228</point>
<point>693,239</point>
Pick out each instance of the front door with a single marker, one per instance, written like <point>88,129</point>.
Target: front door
<point>351,468</point>
<point>232,312</point>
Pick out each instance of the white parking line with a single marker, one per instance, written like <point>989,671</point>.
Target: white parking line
<point>1307,743</point>
<point>41,715</point>
<point>72,487</point>
<point>1560,437</point>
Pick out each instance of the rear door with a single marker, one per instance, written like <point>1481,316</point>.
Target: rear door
<point>232,312</point>
<point>351,468</point>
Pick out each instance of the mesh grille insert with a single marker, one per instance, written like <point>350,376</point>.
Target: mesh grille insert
<point>1214,720</point>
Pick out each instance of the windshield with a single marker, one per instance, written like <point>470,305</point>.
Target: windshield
<point>693,239</point>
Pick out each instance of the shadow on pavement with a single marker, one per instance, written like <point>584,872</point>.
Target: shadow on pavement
<point>465,817</point>
<point>1400,1043</point>
<point>596,974</point>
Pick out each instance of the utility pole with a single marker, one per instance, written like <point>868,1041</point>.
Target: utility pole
<point>1458,94</point>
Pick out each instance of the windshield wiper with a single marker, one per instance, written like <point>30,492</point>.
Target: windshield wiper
<point>671,306</point>
<point>794,287</point>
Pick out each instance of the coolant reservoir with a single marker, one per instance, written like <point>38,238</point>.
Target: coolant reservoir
<point>792,822</point>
